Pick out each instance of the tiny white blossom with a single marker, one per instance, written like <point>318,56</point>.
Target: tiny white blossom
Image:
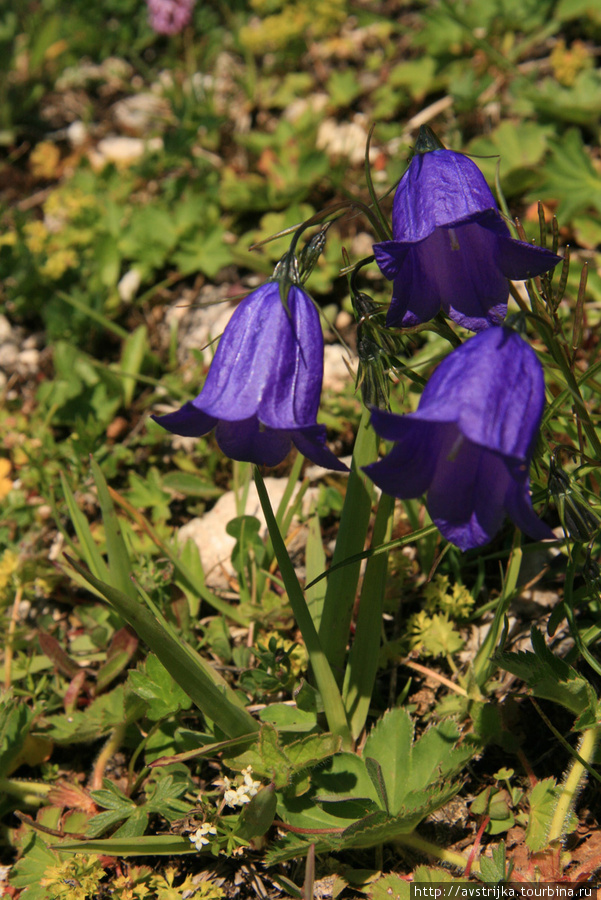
<point>199,837</point>
<point>242,794</point>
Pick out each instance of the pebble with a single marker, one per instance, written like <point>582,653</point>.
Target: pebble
<point>209,531</point>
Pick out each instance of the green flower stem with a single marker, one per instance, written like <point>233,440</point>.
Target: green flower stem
<point>326,683</point>
<point>362,667</point>
<point>354,522</point>
<point>110,748</point>
<point>416,842</point>
<point>30,793</point>
<point>483,668</point>
<point>573,783</point>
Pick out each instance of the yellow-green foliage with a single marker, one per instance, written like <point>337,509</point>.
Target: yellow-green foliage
<point>76,879</point>
<point>456,600</point>
<point>283,22</point>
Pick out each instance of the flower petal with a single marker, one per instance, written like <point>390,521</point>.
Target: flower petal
<point>519,509</point>
<point>311,442</point>
<point>440,188</point>
<point>408,469</point>
<point>466,497</point>
<point>188,421</point>
<point>519,260</point>
<point>291,395</point>
<point>248,441</point>
<point>492,386</point>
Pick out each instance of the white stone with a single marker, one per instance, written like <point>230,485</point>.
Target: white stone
<point>129,284</point>
<point>77,133</point>
<point>9,356</point>
<point>209,531</point>
<point>5,330</point>
<point>336,363</point>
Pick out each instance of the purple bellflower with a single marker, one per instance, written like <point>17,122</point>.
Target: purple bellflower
<point>451,249</point>
<point>470,443</point>
<point>262,390</point>
<point>169,16</point>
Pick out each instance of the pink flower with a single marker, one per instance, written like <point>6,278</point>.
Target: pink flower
<point>170,16</point>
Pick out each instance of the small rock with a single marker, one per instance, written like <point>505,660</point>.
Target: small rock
<point>6,331</point>
<point>9,356</point>
<point>29,361</point>
<point>141,113</point>
<point>128,285</point>
<point>336,363</point>
<point>209,531</point>
<point>121,150</point>
<point>77,133</point>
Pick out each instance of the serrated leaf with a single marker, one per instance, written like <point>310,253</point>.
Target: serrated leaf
<point>155,685</point>
<point>389,742</point>
<point>374,770</point>
<point>570,177</point>
<point>493,870</point>
<point>82,726</point>
<point>549,677</point>
<point>15,721</point>
<point>311,750</point>
<point>543,800</point>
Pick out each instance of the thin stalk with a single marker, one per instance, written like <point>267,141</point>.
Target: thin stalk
<point>483,667</point>
<point>326,683</point>
<point>342,584</point>
<point>110,748</point>
<point>573,783</point>
<point>416,842</point>
<point>362,667</point>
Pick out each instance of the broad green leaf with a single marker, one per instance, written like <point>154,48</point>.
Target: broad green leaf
<point>517,148</point>
<point>156,686</point>
<point>570,177</point>
<point>84,725</point>
<point>549,677</point>
<point>494,870</point>
<point>543,800</point>
<point>288,718</point>
<point>389,742</point>
<point>436,756</point>
<point>312,750</point>
<point>15,720</point>
<point>344,776</point>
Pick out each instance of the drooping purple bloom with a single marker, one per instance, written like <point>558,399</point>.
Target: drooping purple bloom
<point>469,445</point>
<point>451,249</point>
<point>262,390</point>
<point>169,16</point>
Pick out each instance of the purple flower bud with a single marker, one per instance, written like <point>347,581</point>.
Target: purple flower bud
<point>169,16</point>
<point>469,445</point>
<point>263,387</point>
<point>451,249</point>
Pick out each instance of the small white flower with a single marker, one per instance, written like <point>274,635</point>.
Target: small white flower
<point>242,794</point>
<point>199,837</point>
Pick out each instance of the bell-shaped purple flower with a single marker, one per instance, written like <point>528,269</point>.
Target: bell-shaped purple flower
<point>451,249</point>
<point>469,444</point>
<point>262,390</point>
